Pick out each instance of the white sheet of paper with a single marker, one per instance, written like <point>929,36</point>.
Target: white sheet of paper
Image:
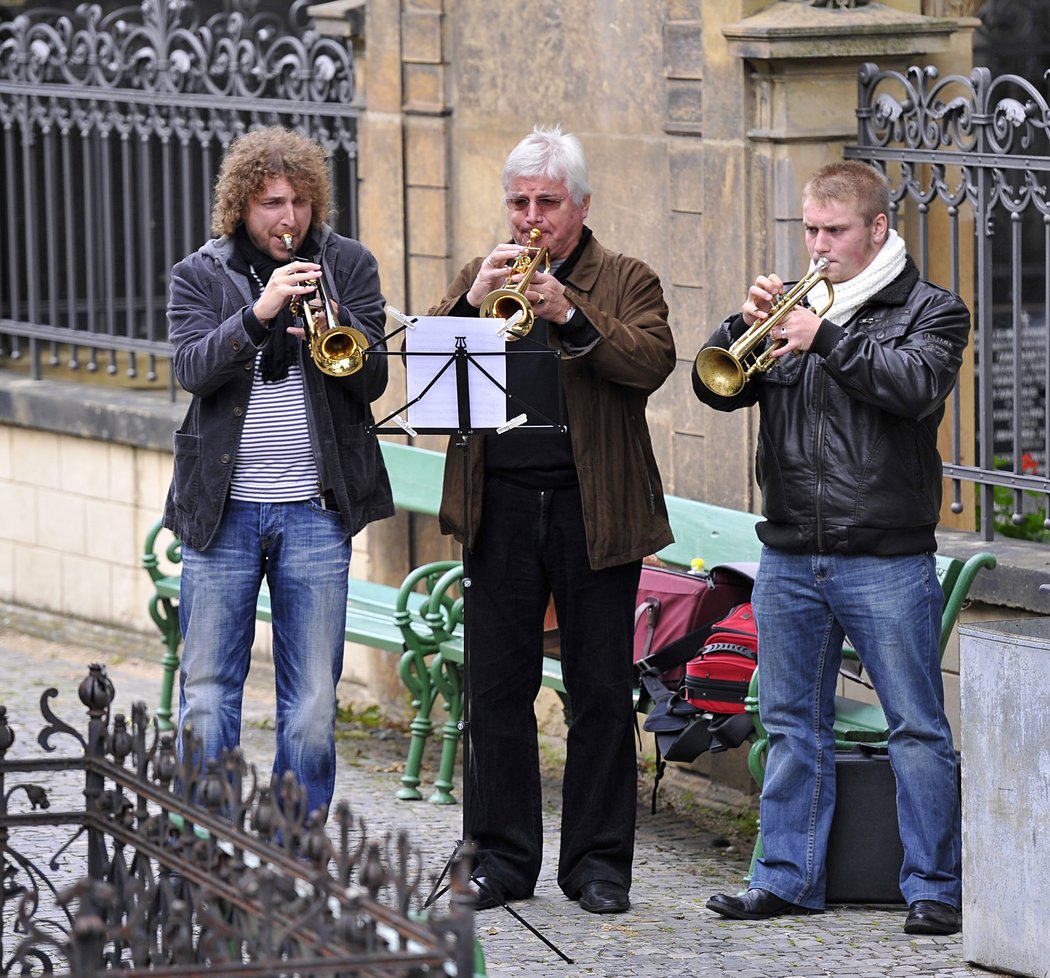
<point>439,407</point>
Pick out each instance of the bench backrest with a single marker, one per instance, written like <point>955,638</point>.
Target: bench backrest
<point>415,476</point>
<point>715,533</point>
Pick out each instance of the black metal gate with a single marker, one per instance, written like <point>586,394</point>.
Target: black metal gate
<point>112,126</point>
<point>161,866</point>
<point>969,160</point>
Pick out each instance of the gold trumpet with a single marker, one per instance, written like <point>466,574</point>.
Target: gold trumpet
<point>337,350</point>
<point>506,302</point>
<point>726,371</point>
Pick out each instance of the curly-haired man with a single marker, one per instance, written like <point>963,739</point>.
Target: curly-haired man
<point>275,465</point>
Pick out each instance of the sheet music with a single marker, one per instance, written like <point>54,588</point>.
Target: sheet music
<point>439,407</point>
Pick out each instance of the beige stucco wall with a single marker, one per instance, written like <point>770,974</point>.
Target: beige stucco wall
<point>701,121</point>
<point>75,513</point>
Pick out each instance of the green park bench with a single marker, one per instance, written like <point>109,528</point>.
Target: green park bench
<point>421,621</point>
<point>714,533</point>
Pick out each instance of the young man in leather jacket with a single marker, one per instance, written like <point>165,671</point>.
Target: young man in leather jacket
<point>851,491</point>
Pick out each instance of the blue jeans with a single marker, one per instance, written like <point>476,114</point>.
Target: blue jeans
<point>303,552</point>
<point>890,607</point>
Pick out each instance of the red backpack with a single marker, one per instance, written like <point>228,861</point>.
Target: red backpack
<point>717,680</point>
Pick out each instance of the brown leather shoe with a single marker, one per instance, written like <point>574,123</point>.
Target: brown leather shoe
<point>931,917</point>
<point>755,904</point>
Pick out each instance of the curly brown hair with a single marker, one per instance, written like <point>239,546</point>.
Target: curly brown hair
<point>258,157</point>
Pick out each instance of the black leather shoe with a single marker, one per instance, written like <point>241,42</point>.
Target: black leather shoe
<point>601,896</point>
<point>489,892</point>
<point>755,904</point>
<point>931,917</point>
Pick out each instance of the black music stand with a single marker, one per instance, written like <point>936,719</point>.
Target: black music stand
<point>461,359</point>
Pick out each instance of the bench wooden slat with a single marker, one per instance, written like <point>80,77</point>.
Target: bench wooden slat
<point>452,650</point>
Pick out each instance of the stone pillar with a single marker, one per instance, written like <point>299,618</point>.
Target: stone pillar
<point>402,207</point>
<point>789,110</point>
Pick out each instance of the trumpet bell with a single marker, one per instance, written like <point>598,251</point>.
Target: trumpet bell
<point>503,304</point>
<point>721,372</point>
<point>339,351</point>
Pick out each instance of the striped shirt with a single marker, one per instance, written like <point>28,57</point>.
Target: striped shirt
<point>275,461</point>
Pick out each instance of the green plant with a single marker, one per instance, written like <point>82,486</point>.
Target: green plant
<point>1029,525</point>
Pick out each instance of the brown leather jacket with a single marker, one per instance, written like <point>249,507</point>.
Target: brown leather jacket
<point>606,387</point>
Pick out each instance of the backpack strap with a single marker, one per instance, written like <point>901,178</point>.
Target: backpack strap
<point>650,610</point>
<point>679,651</point>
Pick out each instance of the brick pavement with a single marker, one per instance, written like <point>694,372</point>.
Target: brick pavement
<point>667,933</point>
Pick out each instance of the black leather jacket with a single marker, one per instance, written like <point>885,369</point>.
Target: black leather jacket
<point>847,455</point>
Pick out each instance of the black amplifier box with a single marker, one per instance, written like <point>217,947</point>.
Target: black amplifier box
<point>864,847</point>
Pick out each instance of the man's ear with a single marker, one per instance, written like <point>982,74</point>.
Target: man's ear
<point>879,228</point>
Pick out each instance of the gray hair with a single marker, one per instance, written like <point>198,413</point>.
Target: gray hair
<point>553,154</point>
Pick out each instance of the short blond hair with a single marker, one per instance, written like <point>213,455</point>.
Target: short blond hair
<point>258,157</point>
<point>850,180</point>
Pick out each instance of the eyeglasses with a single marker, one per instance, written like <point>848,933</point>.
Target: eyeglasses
<point>544,203</point>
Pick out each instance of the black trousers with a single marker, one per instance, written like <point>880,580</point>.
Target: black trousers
<point>531,544</point>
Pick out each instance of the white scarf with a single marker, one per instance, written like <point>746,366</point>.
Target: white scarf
<point>851,295</point>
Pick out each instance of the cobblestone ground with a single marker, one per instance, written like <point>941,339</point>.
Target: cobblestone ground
<point>666,934</point>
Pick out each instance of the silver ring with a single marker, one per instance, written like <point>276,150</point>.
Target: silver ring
<point>539,301</point>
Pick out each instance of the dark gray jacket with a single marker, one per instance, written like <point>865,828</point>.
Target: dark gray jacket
<point>212,329</point>
<point>847,447</point>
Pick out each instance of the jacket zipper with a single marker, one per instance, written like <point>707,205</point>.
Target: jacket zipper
<point>818,507</point>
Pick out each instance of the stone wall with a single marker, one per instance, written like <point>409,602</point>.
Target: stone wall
<point>701,121</point>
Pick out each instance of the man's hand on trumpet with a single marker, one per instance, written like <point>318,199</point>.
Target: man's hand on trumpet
<point>292,281</point>
<point>544,292</point>
<point>795,333</point>
<point>492,274</point>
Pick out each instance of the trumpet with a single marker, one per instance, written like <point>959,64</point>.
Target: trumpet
<point>337,350</point>
<point>506,302</point>
<point>726,371</point>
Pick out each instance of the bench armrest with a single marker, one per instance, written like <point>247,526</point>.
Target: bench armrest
<point>954,600</point>
<point>172,553</point>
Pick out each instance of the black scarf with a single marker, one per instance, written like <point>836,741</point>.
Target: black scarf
<point>566,267</point>
<point>258,266</point>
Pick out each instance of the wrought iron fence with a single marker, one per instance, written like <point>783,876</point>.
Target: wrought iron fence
<point>968,160</point>
<point>188,869</point>
<point>113,126</point>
